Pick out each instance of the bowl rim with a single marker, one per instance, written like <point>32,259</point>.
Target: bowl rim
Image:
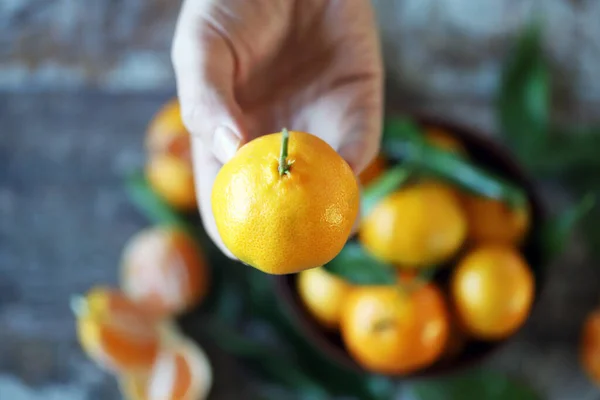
<point>471,137</point>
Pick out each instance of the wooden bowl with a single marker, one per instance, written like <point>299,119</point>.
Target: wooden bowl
<point>487,153</point>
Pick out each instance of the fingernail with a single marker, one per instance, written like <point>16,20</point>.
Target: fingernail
<point>225,144</point>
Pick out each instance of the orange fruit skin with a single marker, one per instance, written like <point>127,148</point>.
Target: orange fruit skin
<point>323,294</point>
<point>181,371</point>
<point>290,223</point>
<point>444,140</point>
<point>390,332</point>
<point>493,221</point>
<point>164,271</point>
<point>178,382</point>
<point>172,178</point>
<point>116,333</point>
<point>493,290</point>
<point>419,225</point>
<point>373,171</point>
<point>165,125</point>
<point>590,346</point>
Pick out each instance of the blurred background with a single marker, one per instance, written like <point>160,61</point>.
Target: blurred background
<point>79,82</point>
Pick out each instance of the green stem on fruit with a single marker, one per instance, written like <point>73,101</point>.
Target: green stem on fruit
<point>284,164</point>
<point>78,305</point>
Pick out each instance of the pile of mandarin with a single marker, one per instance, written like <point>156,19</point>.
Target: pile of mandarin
<point>129,331</point>
<point>421,227</point>
<point>397,330</point>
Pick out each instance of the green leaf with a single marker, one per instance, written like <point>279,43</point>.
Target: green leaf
<point>389,182</point>
<point>477,385</point>
<point>524,97</point>
<point>354,264</point>
<point>382,387</point>
<point>401,128</point>
<point>570,152</point>
<point>557,231</point>
<point>269,361</point>
<point>334,379</point>
<point>407,145</point>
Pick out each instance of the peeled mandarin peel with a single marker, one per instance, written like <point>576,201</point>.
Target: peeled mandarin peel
<point>493,221</point>
<point>114,332</point>
<point>181,372</point>
<point>164,271</point>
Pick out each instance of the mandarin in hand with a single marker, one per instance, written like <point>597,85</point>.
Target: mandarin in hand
<point>493,290</point>
<point>420,225</point>
<point>164,271</point>
<point>116,332</point>
<point>323,294</point>
<point>286,202</point>
<point>388,331</point>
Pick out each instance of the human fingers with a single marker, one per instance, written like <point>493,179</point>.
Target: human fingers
<point>204,67</point>
<point>346,106</point>
<point>206,167</point>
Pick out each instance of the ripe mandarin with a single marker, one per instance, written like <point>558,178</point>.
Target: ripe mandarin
<point>323,294</point>
<point>420,225</point>
<point>390,331</point>
<point>493,221</point>
<point>492,289</point>
<point>284,204</point>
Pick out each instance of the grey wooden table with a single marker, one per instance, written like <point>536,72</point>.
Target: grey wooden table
<point>64,218</point>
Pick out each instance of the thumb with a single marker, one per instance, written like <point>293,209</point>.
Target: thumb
<point>216,120</point>
<point>204,69</point>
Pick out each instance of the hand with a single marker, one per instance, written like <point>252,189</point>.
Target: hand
<point>246,68</point>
